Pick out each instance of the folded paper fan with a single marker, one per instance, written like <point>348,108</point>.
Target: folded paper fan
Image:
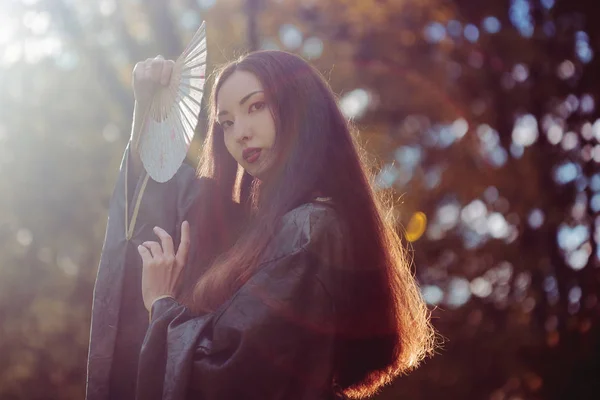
<point>172,115</point>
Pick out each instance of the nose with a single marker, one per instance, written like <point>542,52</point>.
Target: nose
<point>242,130</point>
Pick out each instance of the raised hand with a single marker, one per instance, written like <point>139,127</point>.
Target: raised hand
<point>149,75</point>
<point>162,266</point>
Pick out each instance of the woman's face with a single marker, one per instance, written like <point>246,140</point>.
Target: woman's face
<point>247,122</point>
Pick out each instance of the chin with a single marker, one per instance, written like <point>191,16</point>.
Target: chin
<point>255,172</point>
<point>258,171</point>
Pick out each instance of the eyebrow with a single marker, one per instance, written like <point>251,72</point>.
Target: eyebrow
<point>242,101</point>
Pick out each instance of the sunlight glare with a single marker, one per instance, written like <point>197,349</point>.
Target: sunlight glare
<point>8,28</point>
<point>12,54</point>
<point>37,22</point>
<point>36,49</point>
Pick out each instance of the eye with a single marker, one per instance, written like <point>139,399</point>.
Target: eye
<point>259,105</point>
<point>225,124</point>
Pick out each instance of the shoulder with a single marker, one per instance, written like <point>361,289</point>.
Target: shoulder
<point>315,228</point>
<point>311,222</point>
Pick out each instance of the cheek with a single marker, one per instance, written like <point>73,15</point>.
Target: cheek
<point>269,129</point>
<point>230,145</point>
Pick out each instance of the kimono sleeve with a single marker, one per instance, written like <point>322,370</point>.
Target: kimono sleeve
<point>274,339</point>
<point>136,206</point>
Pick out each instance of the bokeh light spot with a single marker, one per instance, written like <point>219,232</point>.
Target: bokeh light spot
<point>206,4</point>
<point>554,134</point>
<point>435,32</point>
<point>578,259</point>
<point>516,150</point>
<point>24,237</point>
<point>67,265</point>
<point>575,294</point>
<point>497,226</point>
<point>520,73</point>
<point>459,292</point>
<point>189,20</point>
<point>491,24</point>
<point>481,287</point>
<point>525,131</point>
<point>269,44</point>
<point>313,48</point>
<point>520,16</point>
<point>582,47</point>
<point>570,239</point>
<point>595,202</point>
<point>566,173</point>
<point>290,36</point>
<point>570,141</point>
<point>471,33</point>
<point>416,226</point>
<point>386,177</point>
<point>587,104</point>
<point>37,22</point>
<point>107,7</point>
<point>535,218</point>
<point>354,104</point>
<point>566,70</point>
<point>491,194</point>
<point>111,133</point>
<point>460,128</point>
<point>548,4</point>
<point>432,294</point>
<point>408,156</point>
<point>448,215</point>
<point>454,28</point>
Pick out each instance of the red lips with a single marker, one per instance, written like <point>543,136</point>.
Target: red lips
<point>251,154</point>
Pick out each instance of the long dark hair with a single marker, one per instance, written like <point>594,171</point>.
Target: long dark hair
<point>387,330</point>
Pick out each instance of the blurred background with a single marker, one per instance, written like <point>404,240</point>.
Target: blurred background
<point>482,113</point>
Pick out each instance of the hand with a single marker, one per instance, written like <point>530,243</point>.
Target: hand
<point>148,75</point>
<point>161,266</point>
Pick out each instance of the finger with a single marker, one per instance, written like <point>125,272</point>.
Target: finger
<point>138,69</point>
<point>156,68</point>
<point>166,241</point>
<point>184,246</point>
<point>145,254</point>
<point>167,71</point>
<point>154,248</point>
<point>147,69</point>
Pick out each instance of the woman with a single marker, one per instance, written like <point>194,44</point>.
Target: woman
<point>310,296</point>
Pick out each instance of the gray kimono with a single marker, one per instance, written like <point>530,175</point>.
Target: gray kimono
<point>275,338</point>
<point>119,318</point>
